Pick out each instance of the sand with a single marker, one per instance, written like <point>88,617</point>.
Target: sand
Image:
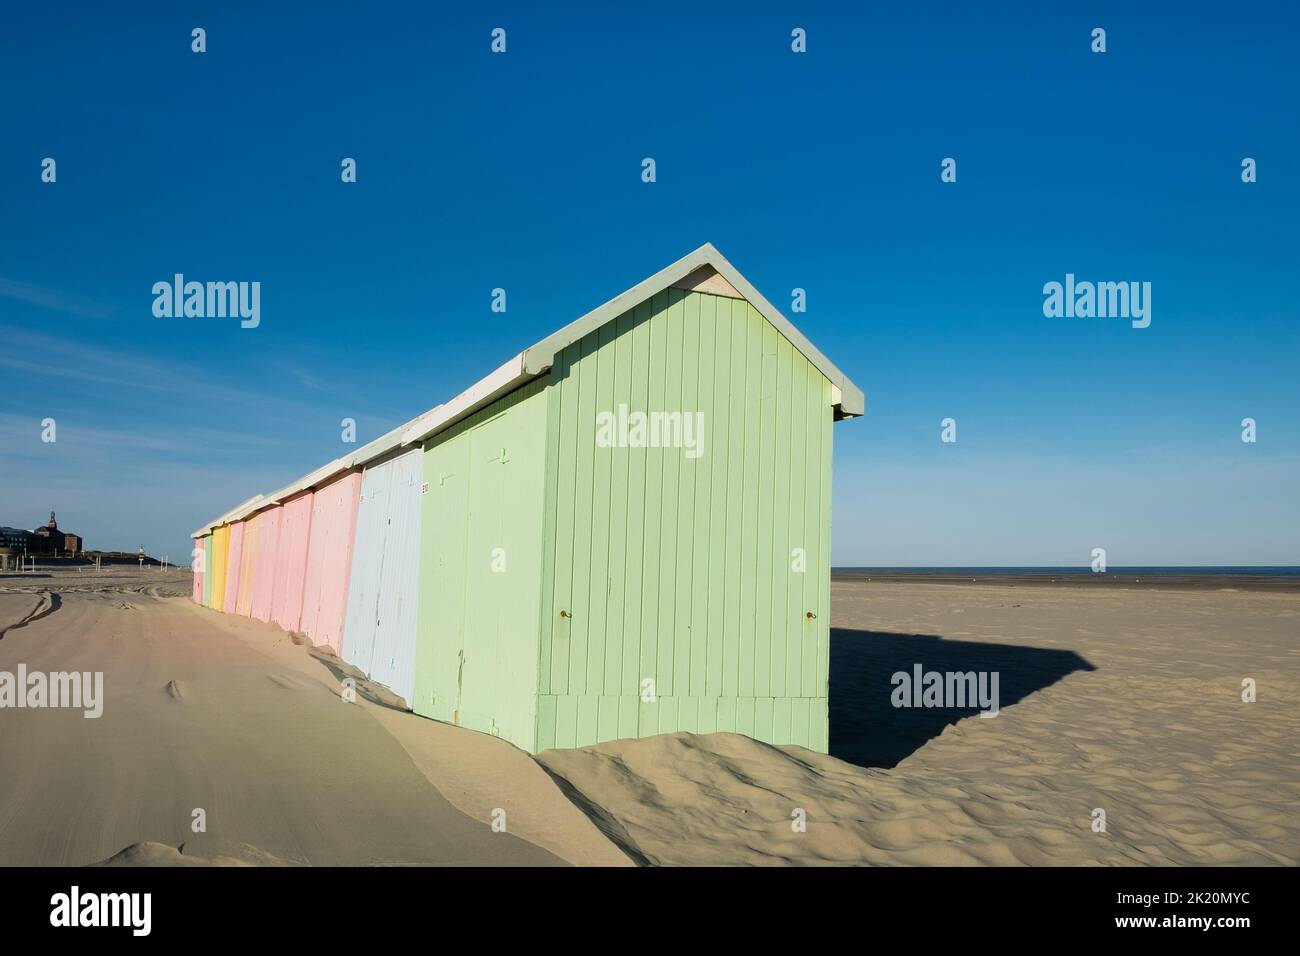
<point>1123,700</point>
<point>231,716</point>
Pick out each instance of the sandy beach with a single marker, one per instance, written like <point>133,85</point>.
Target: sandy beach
<point>229,715</point>
<point>1121,700</point>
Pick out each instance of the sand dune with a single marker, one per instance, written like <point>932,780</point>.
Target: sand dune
<point>1125,701</point>
<point>156,854</point>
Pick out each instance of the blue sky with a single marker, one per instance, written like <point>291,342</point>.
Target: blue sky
<point>522,171</point>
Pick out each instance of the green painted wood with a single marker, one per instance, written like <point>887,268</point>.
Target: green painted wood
<point>670,496</point>
<point>635,569</point>
<point>617,521</point>
<point>440,638</point>
<point>208,573</point>
<point>730,546</point>
<point>563,405</point>
<point>680,571</point>
<point>600,510</point>
<point>653,508</point>
<point>481,569</point>
<point>638,468</point>
<point>687,472</point>
<point>706,322</point>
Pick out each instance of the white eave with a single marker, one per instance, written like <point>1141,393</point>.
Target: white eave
<point>723,279</point>
<point>483,392</point>
<point>851,401</point>
<point>305,483</point>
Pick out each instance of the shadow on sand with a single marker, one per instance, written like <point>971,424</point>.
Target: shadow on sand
<point>867,730</point>
<point>365,687</point>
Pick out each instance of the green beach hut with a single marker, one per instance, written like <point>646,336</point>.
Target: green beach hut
<point>626,527</point>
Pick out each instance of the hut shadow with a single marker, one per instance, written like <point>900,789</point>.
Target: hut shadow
<point>867,730</point>
<point>366,688</point>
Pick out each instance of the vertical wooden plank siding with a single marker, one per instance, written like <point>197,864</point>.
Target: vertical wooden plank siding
<point>234,556</point>
<point>480,569</point>
<point>207,570</point>
<point>268,540</point>
<point>440,621</point>
<point>291,562</point>
<point>393,663</point>
<point>220,543</point>
<point>367,564</point>
<point>383,593</point>
<point>198,562</point>
<point>247,564</point>
<point>329,560</point>
<point>690,577</point>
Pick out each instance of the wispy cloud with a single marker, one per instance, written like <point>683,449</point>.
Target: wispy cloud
<point>53,299</point>
<point>19,433</point>
<point>102,366</point>
<point>303,377</point>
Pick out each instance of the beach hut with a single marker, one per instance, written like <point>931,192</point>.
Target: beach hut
<point>268,540</point>
<point>247,566</point>
<point>383,589</point>
<point>626,529</point>
<point>329,560</point>
<point>196,563</point>
<point>622,531</point>
<point>291,562</point>
<point>220,549</point>
<point>234,557</point>
<point>207,570</point>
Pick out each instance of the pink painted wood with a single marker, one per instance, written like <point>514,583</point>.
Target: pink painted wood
<point>268,537</point>
<point>196,563</point>
<point>234,552</point>
<point>234,556</point>
<point>247,562</point>
<point>291,562</point>
<point>329,560</point>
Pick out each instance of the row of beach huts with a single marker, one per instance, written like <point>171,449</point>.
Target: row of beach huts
<point>622,531</point>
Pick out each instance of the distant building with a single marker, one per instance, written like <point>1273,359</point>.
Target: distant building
<point>13,545</point>
<point>48,538</point>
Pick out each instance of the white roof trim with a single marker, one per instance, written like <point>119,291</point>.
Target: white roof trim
<point>847,398</point>
<point>242,510</point>
<point>541,356</point>
<point>317,477</point>
<point>380,446</point>
<point>233,515</point>
<point>483,392</point>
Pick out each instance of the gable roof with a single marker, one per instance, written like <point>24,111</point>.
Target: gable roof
<point>541,356</point>
<point>704,270</point>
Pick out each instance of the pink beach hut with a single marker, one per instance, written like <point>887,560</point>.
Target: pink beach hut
<point>291,562</point>
<point>234,557</point>
<point>268,538</point>
<point>329,560</point>
<point>197,564</point>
